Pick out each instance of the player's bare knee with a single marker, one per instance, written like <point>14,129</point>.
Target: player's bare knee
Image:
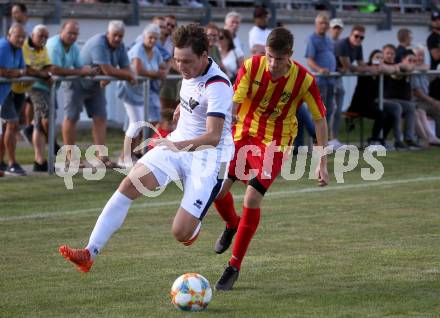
<point>181,234</point>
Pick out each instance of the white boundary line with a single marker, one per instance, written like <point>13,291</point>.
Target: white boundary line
<point>367,184</point>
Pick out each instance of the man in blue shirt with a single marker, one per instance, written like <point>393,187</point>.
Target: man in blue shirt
<point>11,65</point>
<point>321,59</point>
<point>65,56</point>
<point>106,51</point>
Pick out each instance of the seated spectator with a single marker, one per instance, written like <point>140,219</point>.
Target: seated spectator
<point>426,105</point>
<point>11,66</point>
<point>146,60</point>
<point>106,51</point>
<point>365,101</point>
<point>232,58</point>
<point>397,88</point>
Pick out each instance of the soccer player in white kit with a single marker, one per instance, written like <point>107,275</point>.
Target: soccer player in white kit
<point>203,132</point>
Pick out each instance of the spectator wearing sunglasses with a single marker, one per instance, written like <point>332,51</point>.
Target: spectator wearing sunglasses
<point>347,51</point>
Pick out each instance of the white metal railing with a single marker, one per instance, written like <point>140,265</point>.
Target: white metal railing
<point>146,84</point>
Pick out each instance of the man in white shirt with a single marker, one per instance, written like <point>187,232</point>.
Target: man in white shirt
<point>194,153</point>
<point>259,32</point>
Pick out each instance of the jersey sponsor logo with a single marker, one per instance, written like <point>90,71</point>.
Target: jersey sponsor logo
<point>285,97</point>
<point>193,103</point>
<point>189,106</point>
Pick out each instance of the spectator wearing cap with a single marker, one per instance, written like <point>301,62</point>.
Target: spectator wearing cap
<point>433,43</point>
<point>404,36</point>
<point>321,59</point>
<point>107,52</point>
<point>336,28</point>
<point>259,32</point>
<point>232,24</point>
<point>12,66</point>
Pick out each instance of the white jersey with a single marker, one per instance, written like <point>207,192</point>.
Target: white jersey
<point>210,94</point>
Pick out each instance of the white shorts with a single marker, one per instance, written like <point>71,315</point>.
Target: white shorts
<point>202,178</point>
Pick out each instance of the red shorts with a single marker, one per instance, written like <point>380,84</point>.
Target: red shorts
<point>255,163</point>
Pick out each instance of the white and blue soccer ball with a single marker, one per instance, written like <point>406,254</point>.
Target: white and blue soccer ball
<point>191,292</point>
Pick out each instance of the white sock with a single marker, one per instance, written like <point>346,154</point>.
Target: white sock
<point>111,219</point>
<point>196,231</point>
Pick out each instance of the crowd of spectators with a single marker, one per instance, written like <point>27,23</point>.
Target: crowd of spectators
<point>411,103</point>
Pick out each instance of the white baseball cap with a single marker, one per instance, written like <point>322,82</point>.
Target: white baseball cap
<point>336,22</point>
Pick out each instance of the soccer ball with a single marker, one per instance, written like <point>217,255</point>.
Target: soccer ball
<point>191,292</point>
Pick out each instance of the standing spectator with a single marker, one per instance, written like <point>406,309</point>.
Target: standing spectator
<point>420,87</point>
<point>321,59</point>
<point>347,51</point>
<point>19,15</point>
<point>65,56</point>
<point>434,51</point>
<point>11,66</point>
<point>146,60</point>
<point>37,57</point>
<point>169,92</point>
<point>213,32</point>
<point>232,24</point>
<point>231,56</point>
<point>107,51</point>
<point>161,23</point>
<point>397,88</point>
<point>336,28</point>
<point>404,36</point>
<point>259,32</point>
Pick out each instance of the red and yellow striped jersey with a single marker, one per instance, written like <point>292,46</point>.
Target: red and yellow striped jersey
<point>267,108</point>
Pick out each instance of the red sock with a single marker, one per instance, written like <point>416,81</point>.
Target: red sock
<point>246,230</point>
<point>225,207</point>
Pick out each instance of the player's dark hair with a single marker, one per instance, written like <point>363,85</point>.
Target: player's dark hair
<point>280,40</point>
<point>193,36</point>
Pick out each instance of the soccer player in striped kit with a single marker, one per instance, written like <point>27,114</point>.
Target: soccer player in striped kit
<point>268,90</point>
